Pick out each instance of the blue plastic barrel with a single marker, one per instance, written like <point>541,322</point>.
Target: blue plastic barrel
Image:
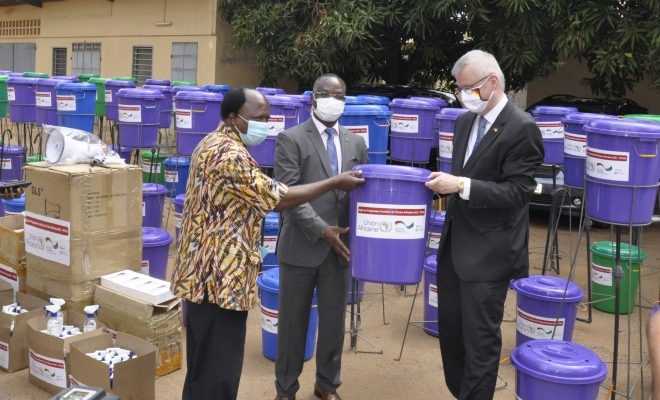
<point>176,175</point>
<point>374,100</point>
<point>14,206</point>
<point>372,123</point>
<point>76,105</point>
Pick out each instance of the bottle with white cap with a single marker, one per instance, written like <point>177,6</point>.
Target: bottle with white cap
<point>90,318</point>
<point>59,302</point>
<point>53,326</point>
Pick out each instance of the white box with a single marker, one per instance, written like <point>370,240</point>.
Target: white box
<point>139,286</point>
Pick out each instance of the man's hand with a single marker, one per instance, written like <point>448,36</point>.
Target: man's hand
<point>443,183</point>
<point>332,235</point>
<point>348,181</point>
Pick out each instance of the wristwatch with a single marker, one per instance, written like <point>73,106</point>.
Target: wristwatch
<point>461,185</point>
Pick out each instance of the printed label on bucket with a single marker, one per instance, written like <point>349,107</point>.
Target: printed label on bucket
<point>47,369</point>
<point>391,221</point>
<point>434,240</point>
<point>48,238</point>
<point>131,113</point>
<point>11,94</point>
<point>9,276</point>
<point>66,102</point>
<point>276,124</point>
<point>575,145</point>
<point>108,96</point>
<point>360,130</point>
<point>43,99</point>
<point>144,267</point>
<point>601,275</point>
<point>270,242</point>
<point>148,167</point>
<point>405,123</point>
<point>6,163</point>
<point>433,295</point>
<point>269,319</point>
<point>4,355</point>
<point>608,165</point>
<point>178,218</point>
<point>536,327</point>
<point>171,176</point>
<point>183,119</point>
<point>551,129</point>
<point>144,209</point>
<point>445,144</point>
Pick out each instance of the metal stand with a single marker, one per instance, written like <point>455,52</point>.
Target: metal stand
<point>617,274</point>
<point>356,320</point>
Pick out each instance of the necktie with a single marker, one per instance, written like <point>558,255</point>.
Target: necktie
<point>481,132</point>
<point>332,151</point>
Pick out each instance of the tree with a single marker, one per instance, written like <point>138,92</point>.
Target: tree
<point>417,41</point>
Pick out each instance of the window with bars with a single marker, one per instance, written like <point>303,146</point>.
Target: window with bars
<point>142,63</point>
<point>20,27</point>
<point>86,58</point>
<point>59,61</point>
<point>184,61</point>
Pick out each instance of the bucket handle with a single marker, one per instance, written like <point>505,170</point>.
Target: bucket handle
<point>647,155</point>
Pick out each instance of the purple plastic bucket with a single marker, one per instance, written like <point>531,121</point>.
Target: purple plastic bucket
<point>550,370</point>
<point>284,114</point>
<point>124,152</point>
<point>388,221</point>
<point>21,97</point>
<point>436,224</point>
<point>411,130</point>
<point>445,121</point>
<point>431,295</point>
<point>548,119</point>
<point>269,91</point>
<point>437,101</point>
<point>622,170</point>
<point>306,110</point>
<point>166,104</point>
<point>159,82</point>
<point>46,100</point>
<point>196,114</point>
<point>138,117</point>
<point>575,146</point>
<point>155,249</point>
<point>112,86</point>
<point>12,163</point>
<point>544,311</point>
<point>179,202</point>
<point>153,202</point>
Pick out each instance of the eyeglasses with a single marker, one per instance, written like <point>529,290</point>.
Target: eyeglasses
<point>323,94</point>
<point>474,87</point>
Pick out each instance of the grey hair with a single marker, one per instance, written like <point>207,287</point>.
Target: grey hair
<point>484,63</point>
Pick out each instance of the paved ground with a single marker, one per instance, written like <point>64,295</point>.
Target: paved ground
<point>419,374</point>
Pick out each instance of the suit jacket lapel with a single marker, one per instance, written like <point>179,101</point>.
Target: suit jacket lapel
<point>461,142</point>
<point>315,137</point>
<point>490,137</point>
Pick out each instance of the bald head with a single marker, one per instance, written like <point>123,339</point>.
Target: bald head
<point>329,82</point>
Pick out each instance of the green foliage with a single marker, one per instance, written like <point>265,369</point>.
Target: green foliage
<point>417,41</point>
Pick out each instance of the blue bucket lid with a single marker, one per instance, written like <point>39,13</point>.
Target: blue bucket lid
<point>283,100</point>
<point>624,127</point>
<point>438,217</point>
<point>436,100</point>
<point>22,80</point>
<point>352,100</point>
<point>269,279</point>
<point>51,82</point>
<point>186,88</point>
<point>559,362</point>
<point>65,78</point>
<point>270,90</point>
<point>77,87</point>
<point>369,99</point>
<point>397,172</point>
<point>580,118</point>
<point>431,264</point>
<point>161,88</point>
<point>13,149</point>
<point>180,199</point>
<point>155,237</point>
<point>272,221</point>
<point>450,114</point>
<point>162,82</point>
<point>177,161</point>
<point>549,288</point>
<point>553,110</point>
<point>119,84</point>
<point>17,203</point>
<point>301,98</point>
<point>153,189</point>
<point>359,110</point>
<point>198,96</point>
<point>414,104</point>
<point>142,94</point>
<point>217,88</point>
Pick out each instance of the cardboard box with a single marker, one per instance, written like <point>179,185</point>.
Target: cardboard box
<point>12,246</point>
<point>133,379</point>
<point>138,286</point>
<point>13,344</point>
<point>82,222</point>
<point>47,355</point>
<point>158,324</point>
<point>6,293</point>
<point>46,288</point>
<point>16,276</point>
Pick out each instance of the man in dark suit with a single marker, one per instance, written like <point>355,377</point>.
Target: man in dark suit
<point>310,249</point>
<point>497,148</point>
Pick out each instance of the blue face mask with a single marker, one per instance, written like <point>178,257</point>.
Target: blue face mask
<point>257,132</point>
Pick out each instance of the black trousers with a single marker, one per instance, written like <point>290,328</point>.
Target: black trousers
<point>469,318</point>
<point>215,340</point>
<point>296,289</point>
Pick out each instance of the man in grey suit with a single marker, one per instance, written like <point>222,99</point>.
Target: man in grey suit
<point>311,251</point>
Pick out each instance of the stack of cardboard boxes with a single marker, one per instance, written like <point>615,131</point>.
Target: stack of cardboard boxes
<point>12,252</point>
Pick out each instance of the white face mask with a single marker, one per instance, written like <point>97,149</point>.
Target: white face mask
<point>472,101</point>
<point>329,109</point>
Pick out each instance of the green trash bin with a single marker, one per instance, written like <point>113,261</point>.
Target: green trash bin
<point>35,158</point>
<point>3,95</point>
<point>183,83</point>
<point>153,165</point>
<point>87,77</point>
<point>603,256</point>
<point>100,95</point>
<point>31,74</point>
